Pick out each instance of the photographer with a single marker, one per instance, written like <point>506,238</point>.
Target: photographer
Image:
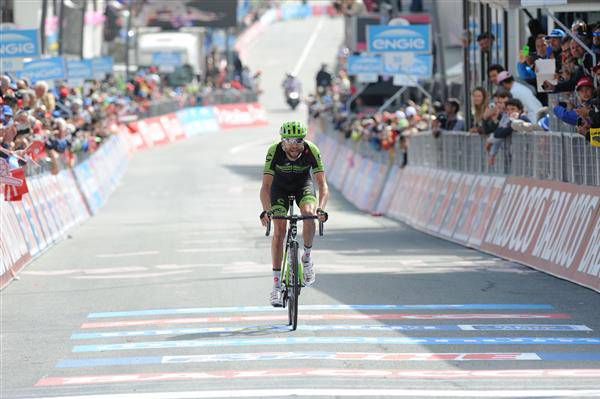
<point>449,120</point>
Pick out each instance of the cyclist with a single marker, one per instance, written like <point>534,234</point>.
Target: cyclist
<point>287,171</point>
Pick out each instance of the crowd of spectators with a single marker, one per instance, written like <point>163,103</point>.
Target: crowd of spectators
<point>333,104</point>
<point>42,126</point>
<point>515,104</point>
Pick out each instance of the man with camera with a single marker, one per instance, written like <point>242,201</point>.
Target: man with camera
<point>580,115</point>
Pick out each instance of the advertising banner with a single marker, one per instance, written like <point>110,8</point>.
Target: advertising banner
<point>240,115</point>
<point>20,43</point>
<point>397,38</point>
<point>14,253</point>
<point>102,66</point>
<point>419,66</point>
<point>44,69</point>
<point>172,15</point>
<point>198,120</point>
<point>80,70</point>
<point>549,225</point>
<point>365,64</point>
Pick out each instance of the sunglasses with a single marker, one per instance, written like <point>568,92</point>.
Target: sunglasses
<point>293,141</point>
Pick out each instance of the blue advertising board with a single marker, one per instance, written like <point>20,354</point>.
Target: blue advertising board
<point>167,58</point>
<point>198,120</point>
<point>385,38</point>
<point>364,64</point>
<point>45,69</point>
<point>82,69</point>
<point>21,43</point>
<point>102,66</point>
<point>418,66</point>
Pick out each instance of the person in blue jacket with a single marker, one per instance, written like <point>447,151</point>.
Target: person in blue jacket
<point>585,92</point>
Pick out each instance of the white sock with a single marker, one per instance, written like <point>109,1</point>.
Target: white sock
<point>276,275</point>
<point>307,251</point>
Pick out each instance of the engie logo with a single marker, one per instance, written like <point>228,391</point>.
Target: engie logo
<point>383,39</point>
<point>19,43</point>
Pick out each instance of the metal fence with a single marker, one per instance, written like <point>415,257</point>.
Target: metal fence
<point>566,157</point>
<point>228,97</point>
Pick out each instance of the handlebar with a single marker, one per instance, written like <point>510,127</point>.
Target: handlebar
<point>294,218</point>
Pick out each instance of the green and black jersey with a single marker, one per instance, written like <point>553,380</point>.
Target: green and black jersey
<point>291,175</point>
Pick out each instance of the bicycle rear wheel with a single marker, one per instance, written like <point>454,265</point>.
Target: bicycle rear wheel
<point>293,287</point>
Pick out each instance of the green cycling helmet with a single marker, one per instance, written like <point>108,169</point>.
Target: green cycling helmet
<point>292,130</point>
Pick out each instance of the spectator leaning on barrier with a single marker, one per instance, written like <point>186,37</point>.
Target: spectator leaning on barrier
<point>513,110</point>
<point>493,114</point>
<point>577,116</point>
<point>521,92</point>
<point>542,124</point>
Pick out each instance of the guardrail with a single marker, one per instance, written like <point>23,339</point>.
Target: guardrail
<point>228,97</point>
<point>565,157</point>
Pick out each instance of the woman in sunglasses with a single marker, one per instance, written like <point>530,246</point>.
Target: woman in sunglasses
<point>287,171</point>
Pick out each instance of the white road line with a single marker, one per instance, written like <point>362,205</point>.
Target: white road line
<point>128,254</point>
<point>221,249</point>
<point>212,241</point>
<point>427,393</point>
<point>308,47</point>
<point>135,275</point>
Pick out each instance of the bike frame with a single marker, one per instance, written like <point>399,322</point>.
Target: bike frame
<point>292,277</point>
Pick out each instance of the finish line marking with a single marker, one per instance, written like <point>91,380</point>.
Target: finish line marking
<point>362,393</point>
<point>280,317</point>
<point>334,327</point>
<point>337,340</point>
<point>246,309</point>
<point>337,373</point>
<point>343,356</point>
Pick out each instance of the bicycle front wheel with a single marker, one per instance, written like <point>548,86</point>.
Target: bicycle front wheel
<point>293,287</point>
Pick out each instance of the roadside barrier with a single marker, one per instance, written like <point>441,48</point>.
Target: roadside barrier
<point>551,226</point>
<point>57,203</point>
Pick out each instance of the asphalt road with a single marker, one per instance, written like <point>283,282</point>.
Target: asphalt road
<point>164,294</point>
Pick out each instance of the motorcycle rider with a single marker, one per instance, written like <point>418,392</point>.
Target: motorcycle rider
<point>291,84</point>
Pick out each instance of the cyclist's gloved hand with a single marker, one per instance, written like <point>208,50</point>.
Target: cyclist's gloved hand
<point>265,217</point>
<point>323,216</point>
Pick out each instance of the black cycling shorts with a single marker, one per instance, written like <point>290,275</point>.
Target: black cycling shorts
<point>279,197</point>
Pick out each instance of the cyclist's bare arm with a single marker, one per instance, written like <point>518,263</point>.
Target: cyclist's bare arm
<point>323,189</point>
<point>265,196</point>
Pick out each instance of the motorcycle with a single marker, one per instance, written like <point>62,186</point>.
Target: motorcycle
<point>292,98</point>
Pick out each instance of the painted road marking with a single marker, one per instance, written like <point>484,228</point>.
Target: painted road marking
<point>128,254</point>
<point>390,316</point>
<point>361,393</point>
<point>134,275</point>
<point>339,340</point>
<point>120,269</point>
<point>216,249</point>
<point>343,356</point>
<point>246,309</point>
<point>332,327</point>
<point>593,374</point>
